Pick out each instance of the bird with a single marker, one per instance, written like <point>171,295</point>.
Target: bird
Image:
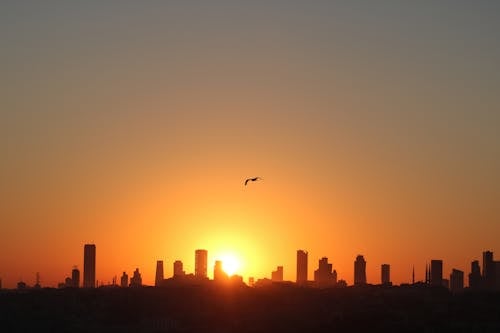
<point>251,180</point>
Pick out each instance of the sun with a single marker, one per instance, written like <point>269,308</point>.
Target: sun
<point>230,264</point>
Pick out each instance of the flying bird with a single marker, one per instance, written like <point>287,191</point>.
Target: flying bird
<point>251,180</point>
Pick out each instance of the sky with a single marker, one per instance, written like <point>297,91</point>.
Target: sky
<point>132,125</point>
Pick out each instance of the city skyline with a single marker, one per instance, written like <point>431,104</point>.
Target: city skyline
<point>486,276</point>
<point>133,125</point>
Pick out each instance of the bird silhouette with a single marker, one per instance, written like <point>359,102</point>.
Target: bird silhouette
<point>251,180</point>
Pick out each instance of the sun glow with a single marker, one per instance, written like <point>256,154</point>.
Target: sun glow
<point>230,264</point>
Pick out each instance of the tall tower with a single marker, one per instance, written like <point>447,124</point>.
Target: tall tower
<point>475,275</point>
<point>436,273</point>
<point>219,274</point>
<point>488,269</point>
<point>75,278</point>
<point>200,263</point>
<point>456,280</point>
<point>89,266</point>
<point>124,280</point>
<point>301,266</point>
<point>159,273</point>
<point>385,274</point>
<point>359,271</point>
<point>323,276</point>
<point>178,269</point>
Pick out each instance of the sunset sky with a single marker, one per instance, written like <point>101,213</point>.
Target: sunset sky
<point>375,126</point>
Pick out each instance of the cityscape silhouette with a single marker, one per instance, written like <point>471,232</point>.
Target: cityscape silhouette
<point>193,302</point>
<point>249,166</point>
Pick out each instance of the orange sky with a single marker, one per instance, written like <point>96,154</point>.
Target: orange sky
<point>133,127</point>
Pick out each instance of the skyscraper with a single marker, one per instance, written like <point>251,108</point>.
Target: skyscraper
<point>219,274</point>
<point>75,278</point>
<point>200,263</point>
<point>178,268</point>
<point>475,275</point>
<point>359,271</point>
<point>456,280</point>
<point>89,266</point>
<point>324,276</point>
<point>488,269</point>
<point>436,272</point>
<point>124,280</point>
<point>159,273</point>
<point>386,274</point>
<point>136,280</point>
<point>301,266</point>
<point>277,275</point>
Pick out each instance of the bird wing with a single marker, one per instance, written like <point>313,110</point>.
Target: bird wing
<point>246,181</point>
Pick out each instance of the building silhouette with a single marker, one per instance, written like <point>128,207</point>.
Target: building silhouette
<point>178,268</point>
<point>124,280</point>
<point>359,271</point>
<point>475,275</point>
<point>89,252</point>
<point>219,274</point>
<point>488,270</point>
<point>324,276</point>
<point>301,267</point>
<point>456,280</point>
<point>200,263</point>
<point>159,273</point>
<point>277,275</point>
<point>75,278</point>
<point>497,276</point>
<point>136,280</point>
<point>436,273</point>
<point>386,274</point>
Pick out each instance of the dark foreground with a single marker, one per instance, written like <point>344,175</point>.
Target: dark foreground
<point>241,309</point>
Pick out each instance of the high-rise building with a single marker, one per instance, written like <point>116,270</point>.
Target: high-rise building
<point>178,268</point>
<point>124,280</point>
<point>136,280</point>
<point>301,266</point>
<point>89,266</point>
<point>386,274</point>
<point>277,275</point>
<point>456,280</point>
<point>359,271</point>
<point>475,275</point>
<point>219,274</point>
<point>488,270</point>
<point>324,276</point>
<point>436,272</point>
<point>200,263</point>
<point>75,278</point>
<point>496,285</point>
<point>159,273</point>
